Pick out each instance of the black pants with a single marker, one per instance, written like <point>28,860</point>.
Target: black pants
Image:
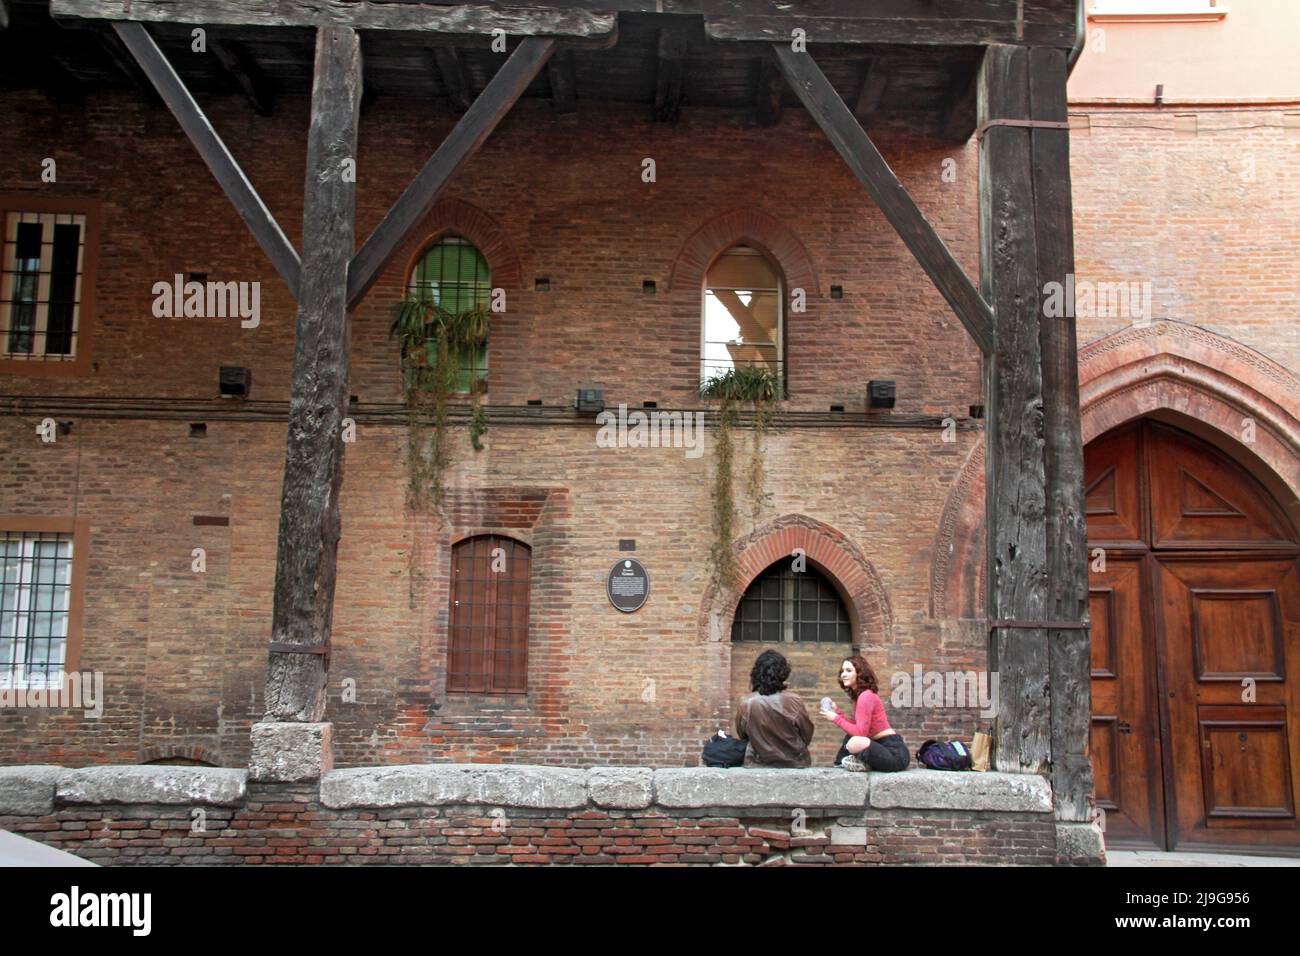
<point>887,754</point>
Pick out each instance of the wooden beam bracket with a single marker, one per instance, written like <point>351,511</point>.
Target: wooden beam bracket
<point>1041,625</point>
<point>1028,124</point>
<point>201,133</point>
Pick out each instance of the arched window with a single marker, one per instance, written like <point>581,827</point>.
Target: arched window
<point>487,648</point>
<point>787,605</point>
<point>453,273</point>
<point>743,322</point>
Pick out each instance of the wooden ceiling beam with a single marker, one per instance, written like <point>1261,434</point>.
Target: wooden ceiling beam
<point>465,19</point>
<point>454,77</point>
<point>855,147</point>
<point>236,61</point>
<point>670,76</point>
<point>460,144</point>
<point>564,82</point>
<point>871,89</point>
<point>201,133</point>
<point>767,94</point>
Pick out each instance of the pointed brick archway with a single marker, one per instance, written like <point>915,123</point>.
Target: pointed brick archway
<point>827,549</point>
<point>754,227</point>
<point>1238,398</point>
<point>455,217</point>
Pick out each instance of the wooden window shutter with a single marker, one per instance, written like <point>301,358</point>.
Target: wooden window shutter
<point>488,642</point>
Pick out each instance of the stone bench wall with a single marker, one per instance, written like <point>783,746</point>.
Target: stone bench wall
<point>497,814</point>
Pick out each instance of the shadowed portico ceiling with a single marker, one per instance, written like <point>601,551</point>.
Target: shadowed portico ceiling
<point>676,53</point>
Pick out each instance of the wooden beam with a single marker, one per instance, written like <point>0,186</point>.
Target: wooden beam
<point>1017,574</point>
<point>871,89</point>
<point>768,93</point>
<point>958,118</point>
<point>306,555</point>
<point>861,155</point>
<point>248,204</point>
<point>910,31</point>
<point>467,19</point>
<point>564,82</point>
<point>245,71</point>
<point>129,69</point>
<point>671,74</point>
<point>461,143</point>
<point>1070,650</point>
<point>454,77</point>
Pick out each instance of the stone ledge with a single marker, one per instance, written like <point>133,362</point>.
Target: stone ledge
<point>966,790</point>
<point>152,785</point>
<point>621,788</point>
<point>425,785</point>
<point>28,790</point>
<point>814,788</point>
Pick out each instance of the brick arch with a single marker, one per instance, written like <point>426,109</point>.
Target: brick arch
<point>193,752</point>
<point>751,226</point>
<point>459,218</point>
<point>1161,368</point>
<point>829,550</point>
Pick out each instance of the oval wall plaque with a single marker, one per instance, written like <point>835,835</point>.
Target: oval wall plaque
<point>628,585</point>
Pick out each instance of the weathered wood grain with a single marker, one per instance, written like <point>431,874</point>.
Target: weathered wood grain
<point>855,146</point>
<point>461,143</point>
<point>306,556</point>
<point>1015,508</point>
<point>201,133</point>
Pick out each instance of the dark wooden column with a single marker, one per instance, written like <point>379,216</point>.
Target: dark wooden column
<point>313,466</point>
<point>1069,650</point>
<point>1037,571</point>
<point>1016,502</point>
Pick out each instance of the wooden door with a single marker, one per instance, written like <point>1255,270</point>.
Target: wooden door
<point>1196,616</point>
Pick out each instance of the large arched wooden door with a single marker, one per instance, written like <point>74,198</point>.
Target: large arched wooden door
<point>1195,604</point>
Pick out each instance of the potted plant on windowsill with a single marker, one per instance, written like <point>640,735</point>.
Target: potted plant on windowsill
<point>759,387</point>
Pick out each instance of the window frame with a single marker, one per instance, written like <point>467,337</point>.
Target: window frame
<point>87,309</point>
<point>78,528</point>
<point>494,677</point>
<point>781,351</point>
<point>478,383</point>
<point>789,607</point>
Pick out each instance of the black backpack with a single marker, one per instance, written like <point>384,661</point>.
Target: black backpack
<point>723,751</point>
<point>950,755</point>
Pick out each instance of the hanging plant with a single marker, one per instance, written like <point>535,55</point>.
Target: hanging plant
<point>757,387</point>
<point>437,347</point>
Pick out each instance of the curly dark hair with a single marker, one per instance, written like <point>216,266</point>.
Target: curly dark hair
<point>769,673</point>
<point>866,679</point>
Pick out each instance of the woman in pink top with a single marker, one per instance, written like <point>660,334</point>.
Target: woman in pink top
<point>868,738</point>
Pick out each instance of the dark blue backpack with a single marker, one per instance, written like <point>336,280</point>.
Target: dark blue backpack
<point>949,755</point>
<point>723,751</point>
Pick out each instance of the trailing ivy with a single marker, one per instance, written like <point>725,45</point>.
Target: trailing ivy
<point>757,387</point>
<point>434,341</point>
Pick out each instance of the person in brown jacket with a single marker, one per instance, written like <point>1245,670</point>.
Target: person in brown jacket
<point>772,719</point>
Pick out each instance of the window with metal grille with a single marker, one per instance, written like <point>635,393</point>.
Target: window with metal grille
<point>35,595</point>
<point>488,643</point>
<point>40,285</point>
<point>453,273</point>
<point>786,605</point>
<point>742,322</point>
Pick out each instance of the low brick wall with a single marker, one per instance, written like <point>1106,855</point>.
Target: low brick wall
<point>494,814</point>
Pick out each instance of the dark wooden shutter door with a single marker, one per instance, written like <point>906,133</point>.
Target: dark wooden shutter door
<point>488,642</point>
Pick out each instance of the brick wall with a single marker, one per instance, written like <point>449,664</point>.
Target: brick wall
<point>183,654</point>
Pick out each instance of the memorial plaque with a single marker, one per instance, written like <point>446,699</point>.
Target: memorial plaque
<point>628,585</point>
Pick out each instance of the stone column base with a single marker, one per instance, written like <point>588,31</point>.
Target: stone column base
<point>288,752</point>
<point>1080,844</point>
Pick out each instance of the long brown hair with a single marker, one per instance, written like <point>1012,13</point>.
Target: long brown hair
<point>865,680</point>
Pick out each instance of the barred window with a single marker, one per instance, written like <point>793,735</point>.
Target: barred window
<point>452,273</point>
<point>786,605</point>
<point>41,285</point>
<point>742,323</point>
<point>35,595</point>
<point>488,642</point>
